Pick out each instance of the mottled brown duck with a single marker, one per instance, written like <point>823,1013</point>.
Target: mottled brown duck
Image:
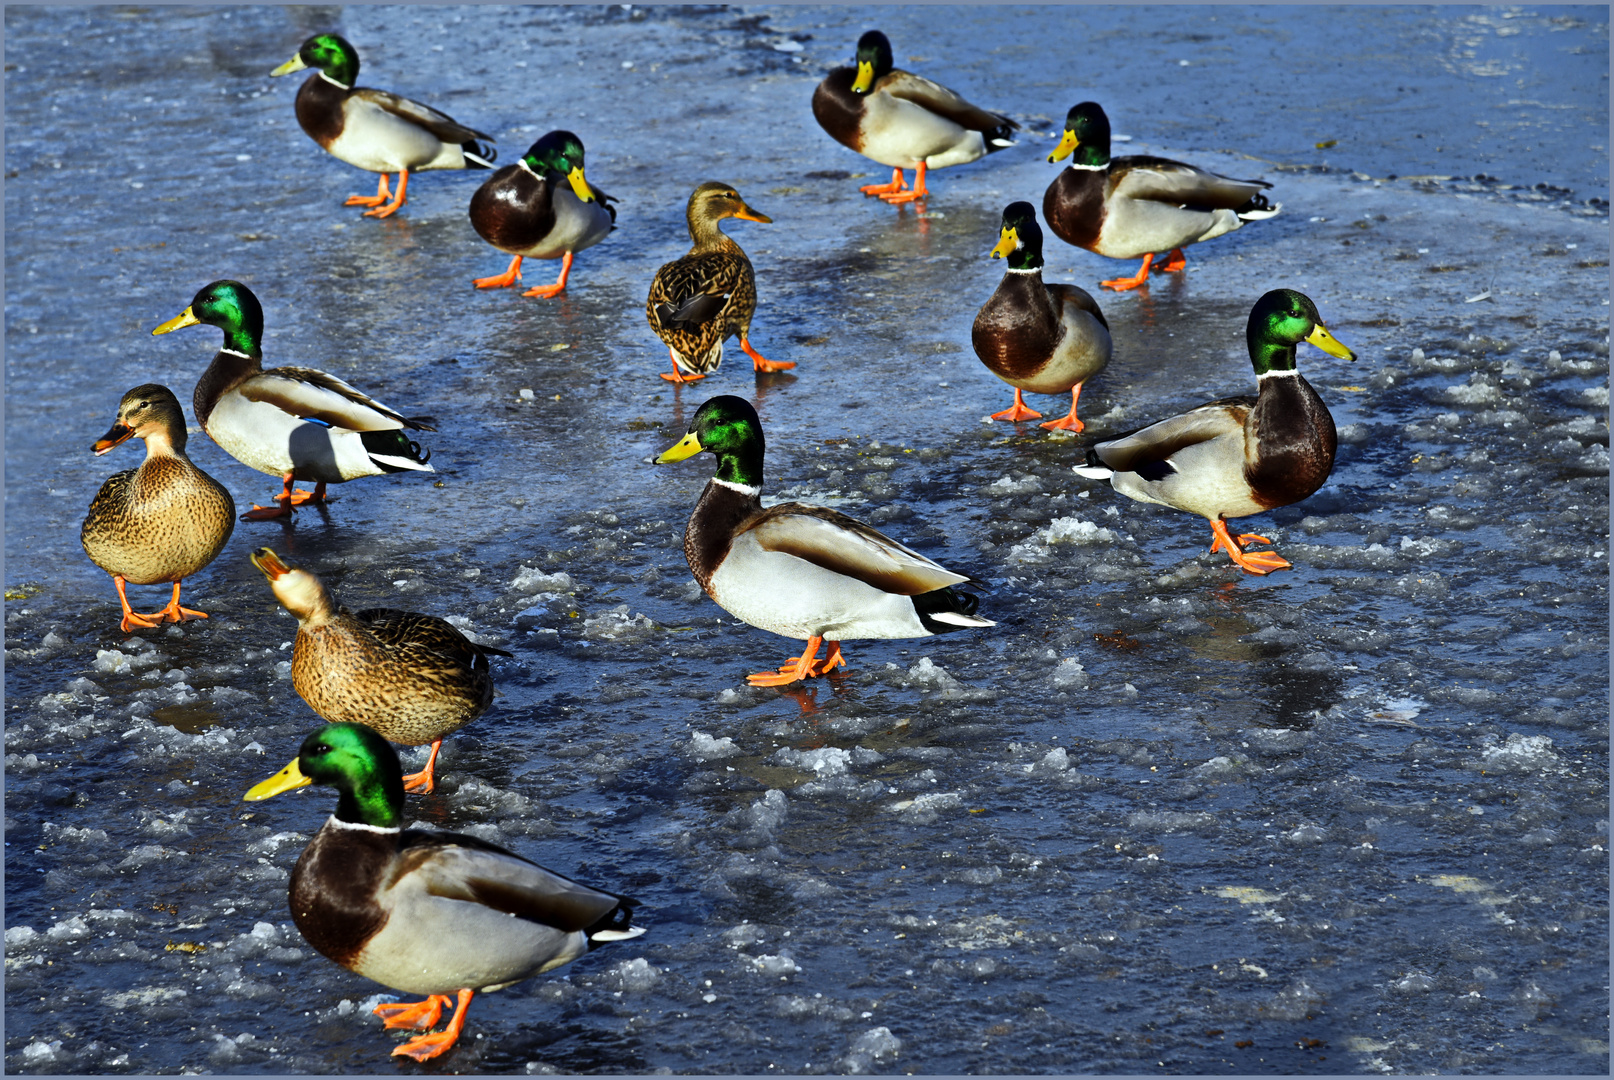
<point>163,521</point>
<point>414,678</point>
<point>709,295</point>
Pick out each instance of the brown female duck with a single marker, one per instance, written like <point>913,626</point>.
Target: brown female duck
<point>414,678</point>
<point>163,521</point>
<point>708,296</point>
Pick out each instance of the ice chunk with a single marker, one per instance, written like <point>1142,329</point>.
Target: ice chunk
<point>528,580</point>
<point>775,967</point>
<point>703,747</point>
<point>825,761</point>
<point>1069,674</point>
<point>929,675</point>
<point>634,976</point>
<point>1522,754</point>
<point>1026,485</point>
<point>924,809</point>
<point>873,1048</point>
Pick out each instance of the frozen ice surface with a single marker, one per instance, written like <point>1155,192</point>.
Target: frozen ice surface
<point>1160,799</point>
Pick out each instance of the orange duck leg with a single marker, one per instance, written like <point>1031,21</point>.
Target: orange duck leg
<point>803,667</point>
<point>382,194</point>
<point>1254,562</point>
<point>1140,278</point>
<point>1069,423</point>
<point>918,192</point>
<point>548,291</point>
<point>499,281</point>
<point>892,188</point>
<point>1019,410</point>
<point>423,781</point>
<point>762,363</point>
<point>397,200</point>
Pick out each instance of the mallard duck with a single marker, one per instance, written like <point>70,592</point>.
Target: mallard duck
<point>708,296</point>
<point>1130,206</point>
<point>295,423</point>
<point>903,120</point>
<point>542,207</point>
<point>1239,455</point>
<point>373,129</point>
<point>414,678</point>
<point>803,571</point>
<point>1034,336</point>
<point>163,521</point>
<point>432,913</point>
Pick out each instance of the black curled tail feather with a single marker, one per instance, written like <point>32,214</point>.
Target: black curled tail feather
<point>1258,202</point>
<point>944,601</point>
<point>1000,137</point>
<point>619,919</point>
<point>391,448</point>
<point>479,155</point>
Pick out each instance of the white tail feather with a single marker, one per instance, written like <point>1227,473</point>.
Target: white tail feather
<point>1261,215</point>
<point>616,935</point>
<point>400,463</point>
<point>1094,472</point>
<point>953,618</point>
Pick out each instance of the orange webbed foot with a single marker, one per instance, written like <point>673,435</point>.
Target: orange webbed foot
<point>545,291</point>
<point>1065,423</point>
<point>762,363</point>
<point>382,194</point>
<point>426,1047</point>
<point>133,620</point>
<point>682,377</point>
<point>266,513</point>
<point>1018,411</point>
<point>1174,262</point>
<point>886,189</point>
<point>511,275</point>
<point>423,781</point>
<point>418,1015</point>
<point>802,667</point>
<point>1140,278</point>
<point>397,200</point>
<point>1252,562</point>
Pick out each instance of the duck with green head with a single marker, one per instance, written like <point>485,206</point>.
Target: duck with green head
<point>1048,339</point>
<point>432,913</point>
<point>414,678</point>
<point>295,423</point>
<point>802,571</point>
<point>542,207</point>
<point>903,120</point>
<point>163,521</point>
<point>1130,206</point>
<point>1240,455</point>
<point>375,130</point>
<point>701,300</point>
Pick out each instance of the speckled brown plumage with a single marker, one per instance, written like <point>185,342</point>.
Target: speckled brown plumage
<point>709,295</point>
<point>414,678</point>
<point>166,519</point>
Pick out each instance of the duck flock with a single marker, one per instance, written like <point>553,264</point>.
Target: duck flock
<point>445,915</point>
